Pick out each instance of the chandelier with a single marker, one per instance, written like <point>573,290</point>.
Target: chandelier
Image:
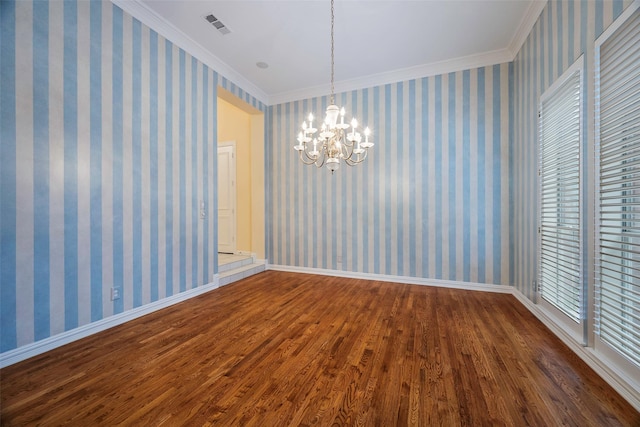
<point>334,141</point>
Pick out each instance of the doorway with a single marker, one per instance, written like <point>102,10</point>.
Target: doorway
<point>242,124</point>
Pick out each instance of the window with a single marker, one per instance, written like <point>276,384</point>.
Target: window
<point>560,276</point>
<point>617,311</point>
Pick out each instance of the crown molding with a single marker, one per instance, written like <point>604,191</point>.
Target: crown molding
<point>526,25</point>
<point>411,73</point>
<point>141,12</point>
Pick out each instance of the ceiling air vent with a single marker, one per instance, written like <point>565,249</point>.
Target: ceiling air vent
<point>217,23</point>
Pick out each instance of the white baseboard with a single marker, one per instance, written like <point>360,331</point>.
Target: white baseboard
<point>22,353</point>
<point>587,354</point>
<point>470,286</point>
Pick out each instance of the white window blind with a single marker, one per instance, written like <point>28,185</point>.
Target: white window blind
<point>560,255</point>
<point>618,130</point>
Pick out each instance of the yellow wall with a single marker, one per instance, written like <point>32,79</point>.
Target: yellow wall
<point>235,125</point>
<point>245,125</point>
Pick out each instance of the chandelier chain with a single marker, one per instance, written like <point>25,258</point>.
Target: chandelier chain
<point>332,54</point>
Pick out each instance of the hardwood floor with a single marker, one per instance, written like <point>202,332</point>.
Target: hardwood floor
<point>281,349</point>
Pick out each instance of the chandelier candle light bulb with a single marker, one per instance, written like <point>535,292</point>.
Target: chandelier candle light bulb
<point>333,140</point>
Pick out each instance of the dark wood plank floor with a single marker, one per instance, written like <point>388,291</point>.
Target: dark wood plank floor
<point>282,349</point>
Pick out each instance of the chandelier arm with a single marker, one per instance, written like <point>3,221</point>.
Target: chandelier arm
<point>347,152</point>
<point>346,141</point>
<point>324,157</point>
<point>310,160</point>
<point>352,162</point>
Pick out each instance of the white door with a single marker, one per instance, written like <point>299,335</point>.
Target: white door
<point>226,199</point>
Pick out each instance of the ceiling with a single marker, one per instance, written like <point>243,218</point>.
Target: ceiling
<point>376,41</point>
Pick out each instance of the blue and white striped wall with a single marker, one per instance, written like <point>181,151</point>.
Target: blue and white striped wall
<point>108,135</point>
<point>431,201</point>
<point>564,31</point>
<point>108,142</point>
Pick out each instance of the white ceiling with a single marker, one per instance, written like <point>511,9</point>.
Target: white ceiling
<point>376,41</point>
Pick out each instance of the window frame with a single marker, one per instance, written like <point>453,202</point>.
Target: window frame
<point>616,361</point>
<point>574,328</point>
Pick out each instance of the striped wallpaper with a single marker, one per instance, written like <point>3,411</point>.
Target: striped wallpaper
<point>564,31</point>
<point>431,201</point>
<point>108,146</point>
<point>108,137</point>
